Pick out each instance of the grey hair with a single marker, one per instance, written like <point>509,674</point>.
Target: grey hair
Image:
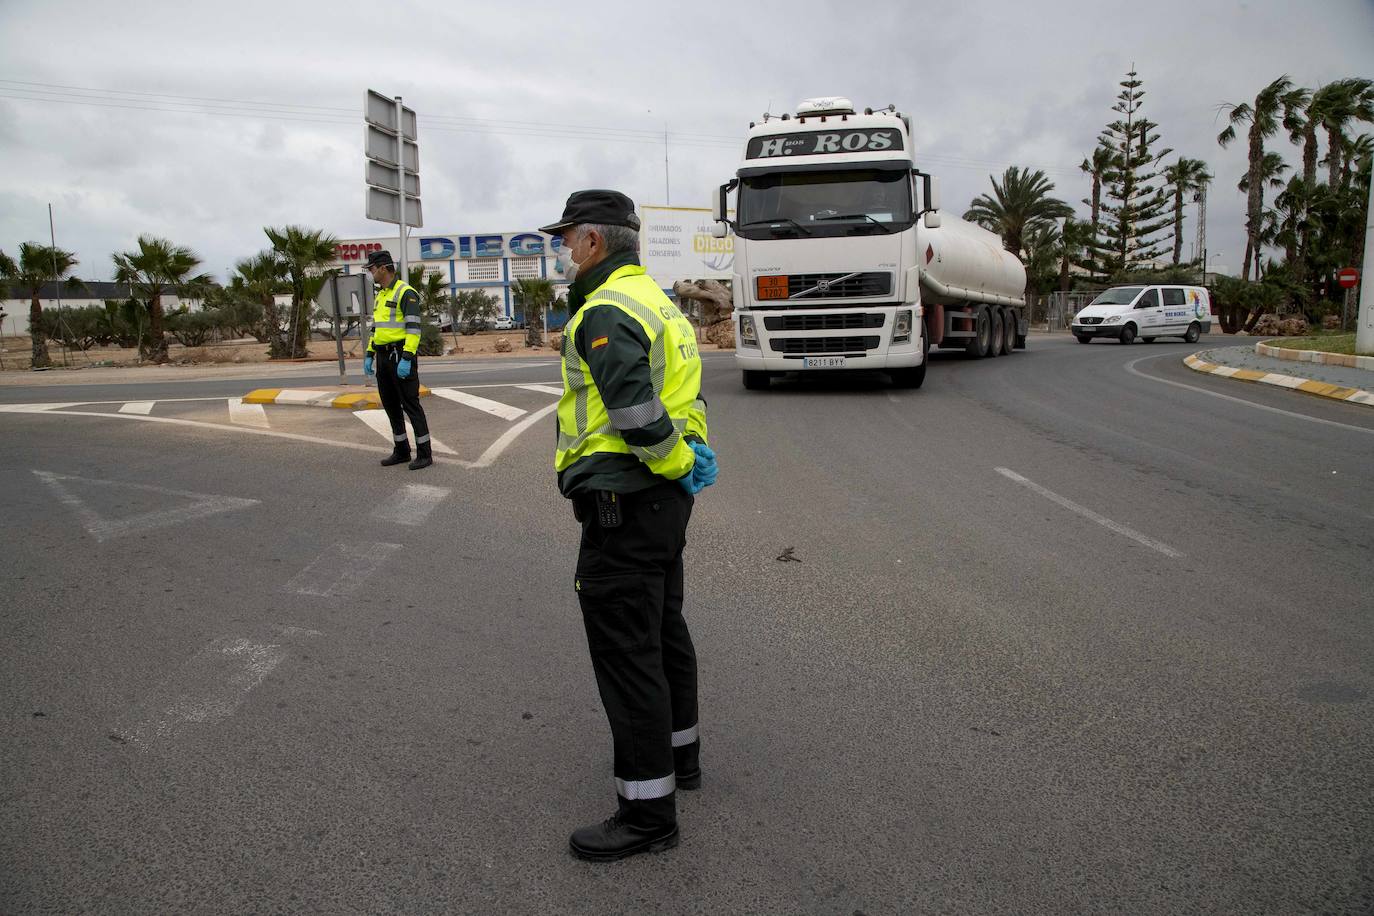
<point>618,238</point>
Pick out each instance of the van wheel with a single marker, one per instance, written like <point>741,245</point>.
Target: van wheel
<point>981,341</point>
<point>1128,334</point>
<point>1194,332</point>
<point>1008,331</point>
<point>1083,338</point>
<point>999,338</point>
<point>756,380</point>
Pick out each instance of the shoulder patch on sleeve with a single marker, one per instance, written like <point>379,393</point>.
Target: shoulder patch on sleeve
<point>600,342</point>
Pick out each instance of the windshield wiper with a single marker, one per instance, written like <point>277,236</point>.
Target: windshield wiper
<point>880,225</point>
<point>770,223</point>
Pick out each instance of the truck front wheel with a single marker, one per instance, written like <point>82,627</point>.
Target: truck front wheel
<point>755,380</point>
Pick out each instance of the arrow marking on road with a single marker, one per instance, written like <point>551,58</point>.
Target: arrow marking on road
<point>495,408</point>
<point>377,419</point>
<point>1090,514</point>
<point>139,407</point>
<point>412,505</point>
<point>341,569</point>
<point>104,529</point>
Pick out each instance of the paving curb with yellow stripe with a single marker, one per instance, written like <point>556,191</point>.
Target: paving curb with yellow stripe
<point>1321,389</point>
<point>1316,356</point>
<point>320,397</point>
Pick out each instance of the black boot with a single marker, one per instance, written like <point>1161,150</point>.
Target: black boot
<point>396,457</point>
<point>637,827</point>
<point>422,458</point>
<point>687,765</point>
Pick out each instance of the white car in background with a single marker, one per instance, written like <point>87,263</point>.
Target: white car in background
<point>1147,312</point>
<point>503,324</point>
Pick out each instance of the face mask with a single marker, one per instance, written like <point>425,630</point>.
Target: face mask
<point>567,264</point>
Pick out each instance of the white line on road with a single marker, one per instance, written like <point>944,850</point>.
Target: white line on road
<point>40,408</point>
<point>247,414</point>
<point>1091,515</point>
<point>546,389</point>
<point>138,407</point>
<point>1130,367</point>
<point>500,445</point>
<point>412,505</point>
<point>208,687</point>
<point>377,419</point>
<point>340,570</point>
<point>104,529</point>
<point>495,408</point>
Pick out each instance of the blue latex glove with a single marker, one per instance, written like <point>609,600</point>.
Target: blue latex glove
<point>403,368</point>
<point>703,472</point>
<point>367,364</point>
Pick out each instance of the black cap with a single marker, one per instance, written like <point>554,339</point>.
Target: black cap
<point>380,259</point>
<point>606,208</point>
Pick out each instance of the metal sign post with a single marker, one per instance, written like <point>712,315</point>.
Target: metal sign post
<point>341,297</point>
<point>392,171</point>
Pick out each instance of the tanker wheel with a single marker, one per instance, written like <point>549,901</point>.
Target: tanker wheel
<point>755,380</point>
<point>1008,331</point>
<point>981,341</point>
<point>1020,338</point>
<point>999,337</point>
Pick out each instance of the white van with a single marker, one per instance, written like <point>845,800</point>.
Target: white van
<point>1147,312</point>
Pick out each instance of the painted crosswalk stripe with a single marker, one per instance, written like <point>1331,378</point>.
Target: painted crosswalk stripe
<point>377,419</point>
<point>139,407</point>
<point>495,408</point>
<point>412,505</point>
<point>339,571</point>
<point>247,414</point>
<point>546,389</point>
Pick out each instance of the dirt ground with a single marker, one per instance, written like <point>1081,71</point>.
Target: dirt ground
<point>17,351</point>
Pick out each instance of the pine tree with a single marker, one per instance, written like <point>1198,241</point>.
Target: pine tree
<point>1136,205</point>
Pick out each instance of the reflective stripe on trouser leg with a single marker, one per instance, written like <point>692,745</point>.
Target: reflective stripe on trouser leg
<point>640,789</point>
<point>685,737</point>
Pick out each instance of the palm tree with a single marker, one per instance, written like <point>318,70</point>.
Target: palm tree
<point>1356,156</point>
<point>158,267</point>
<point>303,252</point>
<point>1279,100</point>
<point>1016,206</point>
<point>434,296</point>
<point>1184,177</point>
<point>38,264</point>
<point>1344,103</point>
<point>1271,172</point>
<point>1097,166</point>
<point>533,295</point>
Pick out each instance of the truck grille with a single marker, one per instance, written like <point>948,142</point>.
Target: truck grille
<point>857,286</point>
<point>823,322</point>
<point>797,346</point>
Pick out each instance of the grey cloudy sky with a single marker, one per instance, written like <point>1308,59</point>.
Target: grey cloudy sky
<point>202,122</point>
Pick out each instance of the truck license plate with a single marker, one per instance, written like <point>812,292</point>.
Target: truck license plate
<point>823,362</point>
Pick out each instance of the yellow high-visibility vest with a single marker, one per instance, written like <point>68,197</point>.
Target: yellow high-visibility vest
<point>389,323</point>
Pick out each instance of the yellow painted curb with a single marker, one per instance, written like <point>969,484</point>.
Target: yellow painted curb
<point>1308,386</point>
<point>305,397</point>
<point>355,401</point>
<point>262,396</point>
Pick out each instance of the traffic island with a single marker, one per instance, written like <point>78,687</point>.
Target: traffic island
<point>346,398</point>
<point>1230,364</point>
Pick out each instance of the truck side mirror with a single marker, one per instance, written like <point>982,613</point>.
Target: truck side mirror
<point>718,204</point>
<point>719,230</point>
<point>932,219</point>
<point>933,193</point>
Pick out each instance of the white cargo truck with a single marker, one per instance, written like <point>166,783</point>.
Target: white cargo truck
<point>843,259</point>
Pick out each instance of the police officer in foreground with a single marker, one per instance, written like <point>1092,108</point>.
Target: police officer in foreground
<point>631,454</point>
<point>391,355</point>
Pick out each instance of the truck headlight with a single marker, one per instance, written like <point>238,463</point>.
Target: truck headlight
<point>747,335</point>
<point>901,326</point>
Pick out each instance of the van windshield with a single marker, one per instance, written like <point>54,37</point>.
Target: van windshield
<point>1118,295</point>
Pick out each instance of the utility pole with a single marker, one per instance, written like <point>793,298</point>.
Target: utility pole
<point>667,189</point>
<point>57,281</point>
<point>1364,322</point>
<point>1201,198</point>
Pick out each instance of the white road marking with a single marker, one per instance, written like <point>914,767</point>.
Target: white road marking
<point>40,408</point>
<point>340,570</point>
<point>500,445</point>
<point>1130,367</point>
<point>207,688</point>
<point>247,414</point>
<point>546,389</point>
<point>138,407</point>
<point>104,529</point>
<point>1091,515</point>
<point>377,419</point>
<point>495,408</point>
<point>412,505</point>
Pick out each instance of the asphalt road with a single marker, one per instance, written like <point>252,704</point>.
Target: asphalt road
<point>1077,630</point>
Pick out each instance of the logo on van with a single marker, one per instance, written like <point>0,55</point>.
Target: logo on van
<point>1199,307</point>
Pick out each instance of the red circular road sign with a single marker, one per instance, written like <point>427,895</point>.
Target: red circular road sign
<point>1348,277</point>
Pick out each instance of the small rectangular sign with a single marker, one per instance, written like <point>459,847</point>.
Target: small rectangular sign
<point>380,146</point>
<point>351,293</point>
<point>385,206</point>
<point>389,177</point>
<point>380,111</point>
<point>825,143</point>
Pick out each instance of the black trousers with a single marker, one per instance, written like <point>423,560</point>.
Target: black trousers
<point>401,398</point>
<point>629,584</point>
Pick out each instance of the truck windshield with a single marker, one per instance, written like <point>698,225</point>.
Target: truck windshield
<point>847,202</point>
<point>1119,295</point>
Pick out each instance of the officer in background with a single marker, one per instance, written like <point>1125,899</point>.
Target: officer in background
<point>391,353</point>
<point>631,454</point>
